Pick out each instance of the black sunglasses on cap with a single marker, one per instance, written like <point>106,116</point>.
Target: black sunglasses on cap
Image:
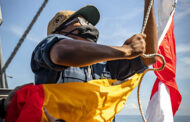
<point>81,20</point>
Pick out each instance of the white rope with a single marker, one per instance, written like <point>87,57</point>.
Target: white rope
<point>149,69</point>
<point>147,56</point>
<point>147,16</point>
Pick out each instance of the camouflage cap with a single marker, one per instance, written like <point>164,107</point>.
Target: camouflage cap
<point>89,12</point>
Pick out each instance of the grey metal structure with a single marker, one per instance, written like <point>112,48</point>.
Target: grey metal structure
<point>3,80</point>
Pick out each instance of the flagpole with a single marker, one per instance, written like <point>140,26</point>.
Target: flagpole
<point>3,80</point>
<point>2,76</point>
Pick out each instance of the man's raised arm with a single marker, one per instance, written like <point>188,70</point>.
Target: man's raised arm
<point>151,35</point>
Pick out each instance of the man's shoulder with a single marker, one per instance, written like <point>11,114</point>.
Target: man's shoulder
<point>58,36</point>
<point>50,40</point>
<point>40,56</point>
<point>52,37</point>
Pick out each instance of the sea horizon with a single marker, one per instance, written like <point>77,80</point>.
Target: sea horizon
<point>137,118</point>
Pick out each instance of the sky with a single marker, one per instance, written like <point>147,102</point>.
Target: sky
<point>119,21</point>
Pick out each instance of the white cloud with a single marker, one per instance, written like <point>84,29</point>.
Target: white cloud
<point>128,16</point>
<point>182,9</point>
<point>131,106</point>
<point>129,109</point>
<point>183,68</point>
<point>118,33</point>
<point>19,31</point>
<point>183,48</point>
<point>16,30</point>
<point>185,60</point>
<point>182,14</point>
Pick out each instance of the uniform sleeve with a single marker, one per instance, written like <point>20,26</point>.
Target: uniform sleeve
<point>122,69</point>
<point>41,54</point>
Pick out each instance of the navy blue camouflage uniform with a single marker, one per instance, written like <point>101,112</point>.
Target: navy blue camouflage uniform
<point>47,72</point>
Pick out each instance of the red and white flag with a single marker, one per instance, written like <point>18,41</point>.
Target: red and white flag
<point>165,97</point>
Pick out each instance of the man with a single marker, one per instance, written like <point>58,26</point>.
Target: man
<point>70,53</point>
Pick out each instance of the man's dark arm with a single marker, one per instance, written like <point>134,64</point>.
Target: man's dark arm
<point>83,53</point>
<point>151,35</point>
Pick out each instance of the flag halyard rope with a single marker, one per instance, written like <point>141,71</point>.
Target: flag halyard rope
<point>147,56</point>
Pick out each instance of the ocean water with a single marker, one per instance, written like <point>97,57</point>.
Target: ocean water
<point>134,118</point>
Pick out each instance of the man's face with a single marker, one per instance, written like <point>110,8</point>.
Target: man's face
<point>72,25</point>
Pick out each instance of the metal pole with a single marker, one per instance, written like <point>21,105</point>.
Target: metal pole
<point>3,81</point>
<point>1,19</point>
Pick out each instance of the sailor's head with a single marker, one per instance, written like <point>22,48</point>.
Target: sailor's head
<point>76,24</point>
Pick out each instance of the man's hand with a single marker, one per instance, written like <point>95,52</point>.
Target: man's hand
<point>51,118</point>
<point>135,46</point>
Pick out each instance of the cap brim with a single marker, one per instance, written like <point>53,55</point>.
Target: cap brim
<point>89,12</point>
